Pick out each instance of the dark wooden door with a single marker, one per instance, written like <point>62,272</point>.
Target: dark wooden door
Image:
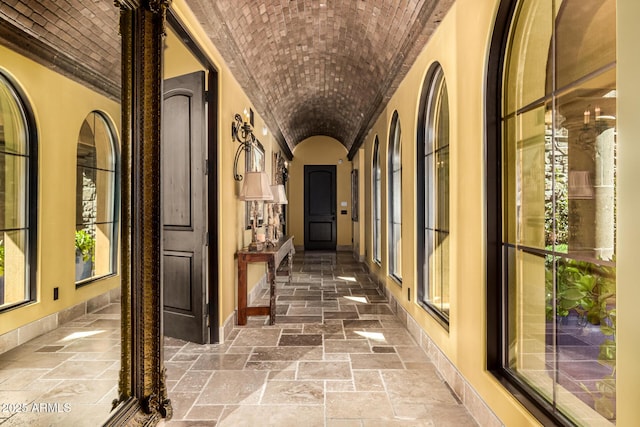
<point>320,207</point>
<point>184,208</point>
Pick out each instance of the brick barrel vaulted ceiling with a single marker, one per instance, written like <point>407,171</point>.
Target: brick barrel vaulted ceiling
<point>319,67</point>
<point>310,67</point>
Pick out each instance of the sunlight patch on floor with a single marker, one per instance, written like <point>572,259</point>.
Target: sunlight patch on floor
<point>76,335</point>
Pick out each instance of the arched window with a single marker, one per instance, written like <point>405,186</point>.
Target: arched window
<point>394,200</point>
<point>96,215</point>
<point>18,198</point>
<point>433,195</point>
<point>377,203</point>
<point>553,266</point>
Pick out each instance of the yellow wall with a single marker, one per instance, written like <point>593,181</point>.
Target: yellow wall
<point>178,59</point>
<point>319,150</point>
<point>231,231</point>
<point>60,105</point>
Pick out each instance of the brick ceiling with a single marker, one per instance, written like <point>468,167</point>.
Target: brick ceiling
<point>320,67</point>
<point>310,67</point>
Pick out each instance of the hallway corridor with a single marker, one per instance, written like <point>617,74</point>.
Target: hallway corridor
<point>336,357</point>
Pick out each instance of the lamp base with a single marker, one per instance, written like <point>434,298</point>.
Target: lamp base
<point>256,246</point>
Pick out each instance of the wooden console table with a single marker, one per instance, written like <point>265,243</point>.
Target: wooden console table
<point>273,256</point>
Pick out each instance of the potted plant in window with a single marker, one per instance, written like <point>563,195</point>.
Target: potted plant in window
<point>85,254</point>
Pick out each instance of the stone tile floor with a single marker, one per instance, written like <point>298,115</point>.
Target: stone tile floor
<point>67,377</point>
<point>336,357</point>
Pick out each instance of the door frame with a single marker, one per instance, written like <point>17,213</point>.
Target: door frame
<point>211,98</point>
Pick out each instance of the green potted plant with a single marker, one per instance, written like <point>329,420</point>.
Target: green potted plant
<point>85,254</point>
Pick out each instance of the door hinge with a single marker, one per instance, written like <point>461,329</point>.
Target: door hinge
<point>207,166</point>
<point>207,239</point>
<point>206,96</point>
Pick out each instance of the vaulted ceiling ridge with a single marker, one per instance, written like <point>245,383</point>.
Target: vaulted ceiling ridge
<point>320,68</point>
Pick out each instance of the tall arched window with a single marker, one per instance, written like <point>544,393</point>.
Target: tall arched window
<point>377,202</point>
<point>433,195</point>
<point>394,199</point>
<point>96,213</point>
<point>553,265</point>
<point>18,197</point>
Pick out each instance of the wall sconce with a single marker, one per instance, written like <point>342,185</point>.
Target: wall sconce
<point>241,132</point>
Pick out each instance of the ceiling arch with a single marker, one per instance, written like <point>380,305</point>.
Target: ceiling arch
<point>319,67</point>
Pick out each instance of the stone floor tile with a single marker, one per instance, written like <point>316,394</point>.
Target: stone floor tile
<point>212,362</point>
<point>346,346</point>
<point>300,340</point>
<point>233,387</point>
<point>331,370</point>
<point>273,416</point>
<point>368,380</point>
<point>294,392</point>
<point>376,361</point>
<point>358,405</point>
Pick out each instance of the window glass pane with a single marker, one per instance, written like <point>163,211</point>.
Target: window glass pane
<point>104,185</point>
<point>559,209</point>
<point>13,202</point>
<point>585,38</point>
<point>104,142</point>
<point>13,132</point>
<point>394,199</point>
<point>103,249</point>
<point>528,55</point>
<point>586,216</point>
<point>530,178</point>
<point>14,207</point>
<point>440,291</point>
<point>441,119</point>
<point>436,193</point>
<point>530,358</point>
<point>13,268</point>
<point>509,181</point>
<point>430,193</point>
<point>442,182</point>
<point>376,201</point>
<point>95,199</point>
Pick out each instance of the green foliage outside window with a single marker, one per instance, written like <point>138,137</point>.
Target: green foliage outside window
<point>85,245</point>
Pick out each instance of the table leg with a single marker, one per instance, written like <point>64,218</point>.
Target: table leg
<point>271,269</point>
<point>290,259</point>
<point>242,291</point>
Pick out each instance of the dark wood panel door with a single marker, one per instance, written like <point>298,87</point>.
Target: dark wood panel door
<point>184,208</point>
<point>320,207</point>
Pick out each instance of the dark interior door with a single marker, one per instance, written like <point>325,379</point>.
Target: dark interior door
<point>320,207</point>
<point>184,208</point>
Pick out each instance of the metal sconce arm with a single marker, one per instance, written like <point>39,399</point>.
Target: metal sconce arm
<point>242,133</point>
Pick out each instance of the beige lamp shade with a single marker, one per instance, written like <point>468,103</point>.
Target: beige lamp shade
<point>279,195</point>
<point>256,187</point>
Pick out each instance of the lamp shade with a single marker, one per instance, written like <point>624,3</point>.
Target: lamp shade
<point>279,195</point>
<point>256,187</point>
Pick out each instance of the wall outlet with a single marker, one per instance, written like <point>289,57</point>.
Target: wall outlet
<point>408,294</point>
<point>55,293</point>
